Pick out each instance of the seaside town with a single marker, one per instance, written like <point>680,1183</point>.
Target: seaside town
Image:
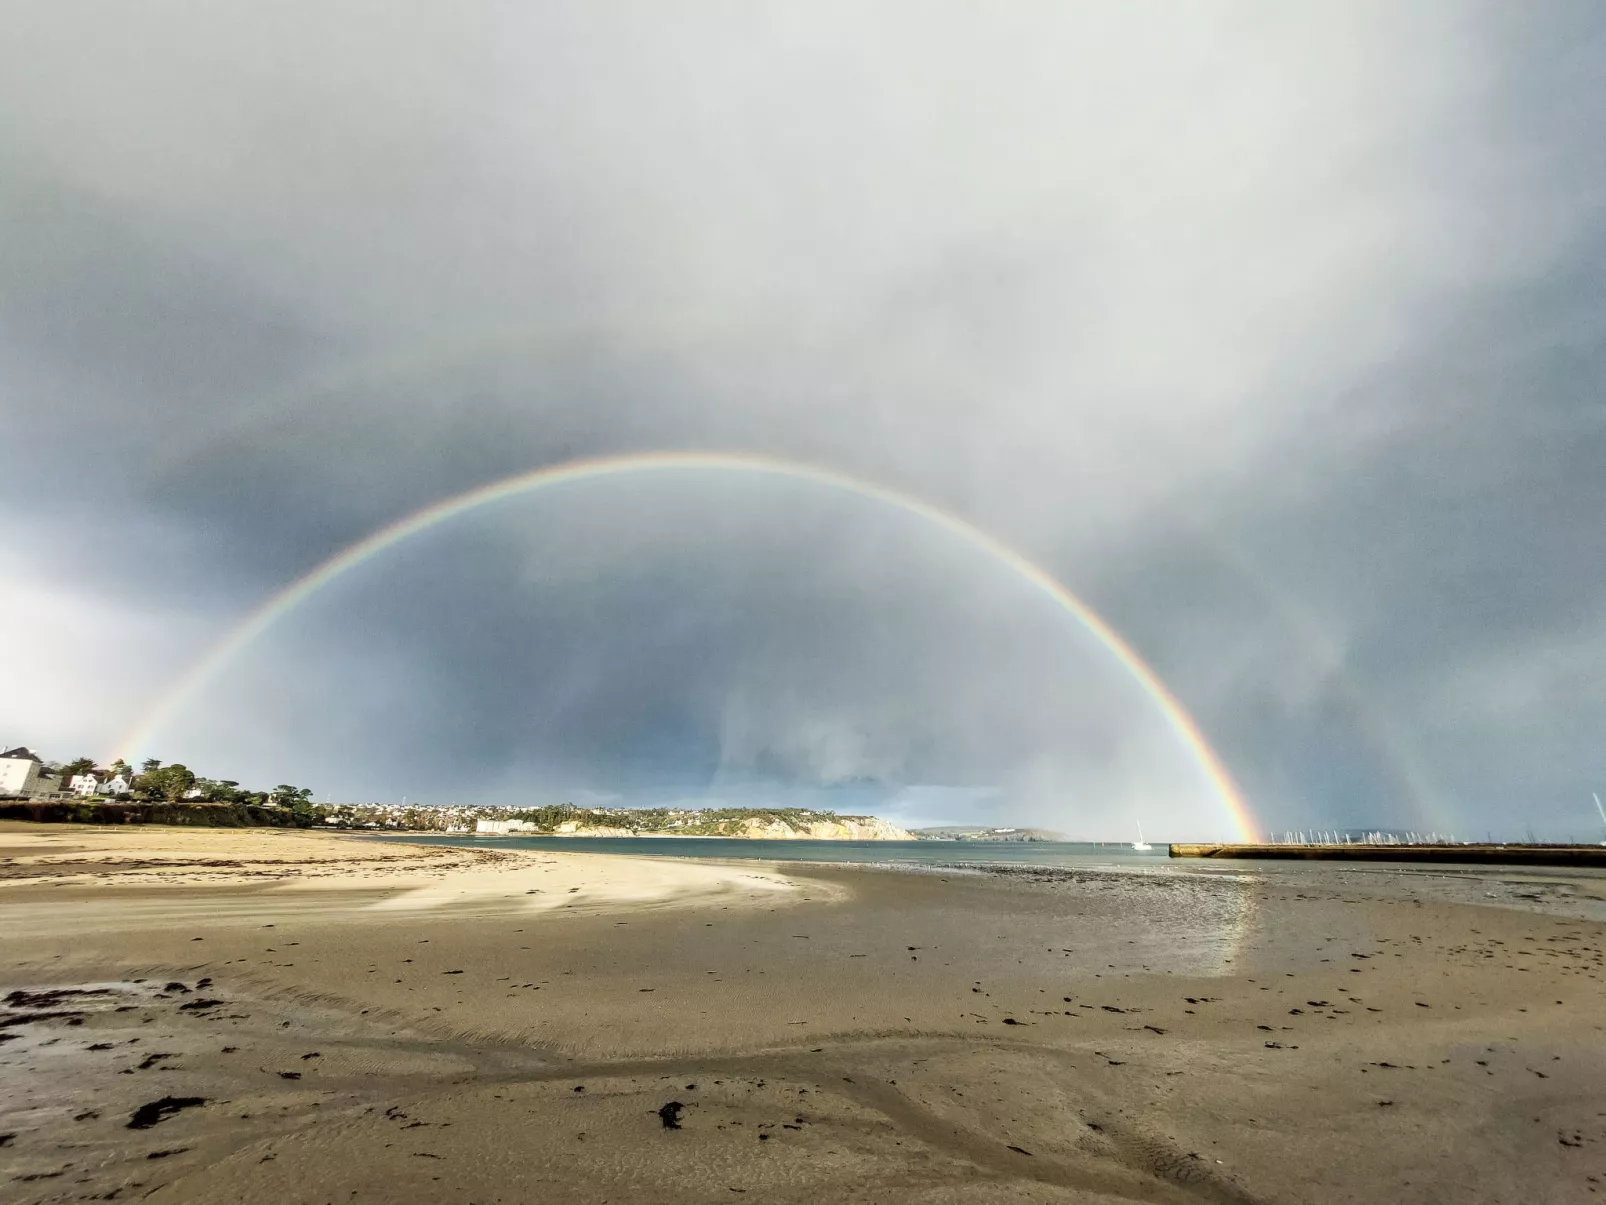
<point>86,792</point>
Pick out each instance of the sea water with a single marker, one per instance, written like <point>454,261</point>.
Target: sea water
<point>1082,854</point>
<point>1576,892</point>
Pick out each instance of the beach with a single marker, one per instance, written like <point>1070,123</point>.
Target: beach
<point>289,1016</point>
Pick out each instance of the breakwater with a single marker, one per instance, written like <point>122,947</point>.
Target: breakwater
<point>1511,855</point>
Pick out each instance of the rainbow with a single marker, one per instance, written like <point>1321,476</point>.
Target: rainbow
<point>265,616</point>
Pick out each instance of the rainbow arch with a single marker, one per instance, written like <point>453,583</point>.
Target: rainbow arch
<point>1231,799</point>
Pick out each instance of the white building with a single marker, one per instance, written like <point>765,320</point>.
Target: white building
<point>22,773</point>
<point>84,784</point>
<point>116,785</point>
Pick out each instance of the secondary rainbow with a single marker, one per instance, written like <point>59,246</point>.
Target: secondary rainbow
<point>260,620</point>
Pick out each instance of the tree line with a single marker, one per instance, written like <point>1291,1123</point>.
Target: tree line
<point>177,783</point>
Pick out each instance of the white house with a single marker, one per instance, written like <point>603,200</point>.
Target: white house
<point>19,771</point>
<point>84,784</point>
<point>117,784</point>
<point>22,773</point>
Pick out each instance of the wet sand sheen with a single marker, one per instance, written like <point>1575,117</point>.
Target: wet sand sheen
<point>514,1026</point>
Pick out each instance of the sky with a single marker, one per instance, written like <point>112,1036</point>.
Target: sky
<point>1276,333</point>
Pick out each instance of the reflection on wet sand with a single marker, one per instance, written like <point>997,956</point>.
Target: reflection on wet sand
<point>518,1028</point>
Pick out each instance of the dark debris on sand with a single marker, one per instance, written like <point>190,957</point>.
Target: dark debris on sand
<point>72,1018</point>
<point>156,1111</point>
<point>52,997</point>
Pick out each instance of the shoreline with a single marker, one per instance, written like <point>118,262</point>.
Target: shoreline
<point>515,1025</point>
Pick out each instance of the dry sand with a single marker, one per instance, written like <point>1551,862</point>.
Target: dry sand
<point>373,1021</point>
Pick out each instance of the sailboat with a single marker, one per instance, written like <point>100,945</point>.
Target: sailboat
<point>1140,845</point>
<point>1601,810</point>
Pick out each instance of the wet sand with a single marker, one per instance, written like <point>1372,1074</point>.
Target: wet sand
<point>383,1022</point>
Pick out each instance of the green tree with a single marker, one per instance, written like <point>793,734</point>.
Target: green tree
<point>303,812</point>
<point>177,779</point>
<point>79,765</point>
<point>165,782</point>
<point>149,764</point>
<point>121,767</point>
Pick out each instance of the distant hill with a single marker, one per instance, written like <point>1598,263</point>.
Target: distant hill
<point>962,833</point>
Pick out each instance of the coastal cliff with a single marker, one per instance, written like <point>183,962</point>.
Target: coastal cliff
<point>837,828</point>
<point>757,828</point>
<point>759,824</point>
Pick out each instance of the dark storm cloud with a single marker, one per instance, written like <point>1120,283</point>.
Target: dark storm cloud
<point>1276,334</point>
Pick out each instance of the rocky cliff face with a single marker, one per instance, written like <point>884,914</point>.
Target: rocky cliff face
<point>842,828</point>
<point>574,830</point>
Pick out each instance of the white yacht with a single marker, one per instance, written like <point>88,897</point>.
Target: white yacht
<point>1140,845</point>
